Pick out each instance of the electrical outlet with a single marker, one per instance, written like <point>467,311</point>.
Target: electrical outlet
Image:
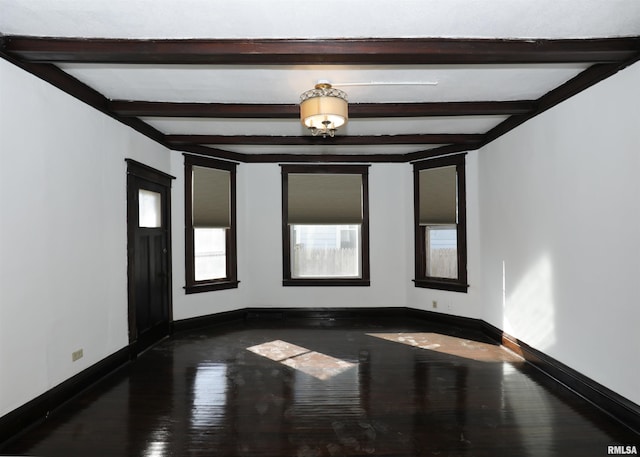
<point>434,304</point>
<point>76,355</point>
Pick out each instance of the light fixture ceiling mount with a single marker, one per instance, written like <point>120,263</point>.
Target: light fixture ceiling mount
<point>324,109</point>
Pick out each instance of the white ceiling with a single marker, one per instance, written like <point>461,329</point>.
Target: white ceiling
<point>327,19</point>
<point>400,126</point>
<point>282,84</point>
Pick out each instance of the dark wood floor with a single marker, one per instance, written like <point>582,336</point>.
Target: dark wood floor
<point>203,393</point>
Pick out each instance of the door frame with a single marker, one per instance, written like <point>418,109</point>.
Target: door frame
<point>139,171</point>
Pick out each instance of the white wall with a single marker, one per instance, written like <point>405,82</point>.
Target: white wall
<point>560,224</point>
<point>260,246</point>
<point>539,202</point>
<point>259,212</point>
<point>63,283</point>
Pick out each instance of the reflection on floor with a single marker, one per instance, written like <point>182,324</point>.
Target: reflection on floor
<point>452,345</point>
<point>202,393</point>
<point>320,366</point>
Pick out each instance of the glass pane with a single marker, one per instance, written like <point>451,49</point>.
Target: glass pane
<point>442,252</point>
<point>149,212</point>
<point>325,251</point>
<point>209,249</point>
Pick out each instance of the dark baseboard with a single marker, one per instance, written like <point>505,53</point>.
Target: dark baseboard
<point>365,314</point>
<point>310,316</point>
<point>618,407</point>
<point>40,407</point>
<point>445,319</point>
<point>149,338</point>
<point>324,316</point>
<point>324,313</point>
<point>210,320</point>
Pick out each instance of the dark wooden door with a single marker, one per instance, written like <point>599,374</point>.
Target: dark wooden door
<point>149,269</point>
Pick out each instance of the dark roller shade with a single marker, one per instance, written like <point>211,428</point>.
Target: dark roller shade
<point>211,198</point>
<point>438,203</point>
<point>324,198</point>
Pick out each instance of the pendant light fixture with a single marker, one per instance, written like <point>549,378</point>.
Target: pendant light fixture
<point>324,109</point>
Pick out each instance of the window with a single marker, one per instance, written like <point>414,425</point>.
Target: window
<point>440,224</point>
<point>320,251</point>
<point>325,228</point>
<point>210,233</point>
<point>149,209</point>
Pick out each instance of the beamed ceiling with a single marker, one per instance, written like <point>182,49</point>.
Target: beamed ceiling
<point>423,78</point>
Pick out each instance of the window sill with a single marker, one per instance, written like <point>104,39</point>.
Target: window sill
<point>327,282</point>
<point>211,286</point>
<point>441,284</point>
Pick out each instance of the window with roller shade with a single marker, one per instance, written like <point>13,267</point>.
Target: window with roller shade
<point>440,223</point>
<point>210,233</point>
<point>325,225</point>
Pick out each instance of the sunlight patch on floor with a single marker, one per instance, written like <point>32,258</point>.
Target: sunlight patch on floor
<point>316,364</point>
<point>452,345</point>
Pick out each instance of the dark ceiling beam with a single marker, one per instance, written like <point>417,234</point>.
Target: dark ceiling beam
<point>211,152</point>
<point>339,140</point>
<point>440,151</point>
<point>481,108</point>
<point>289,111</point>
<point>205,110</point>
<point>575,85</point>
<point>410,51</point>
<point>610,55</point>
<point>314,158</point>
<point>75,88</point>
